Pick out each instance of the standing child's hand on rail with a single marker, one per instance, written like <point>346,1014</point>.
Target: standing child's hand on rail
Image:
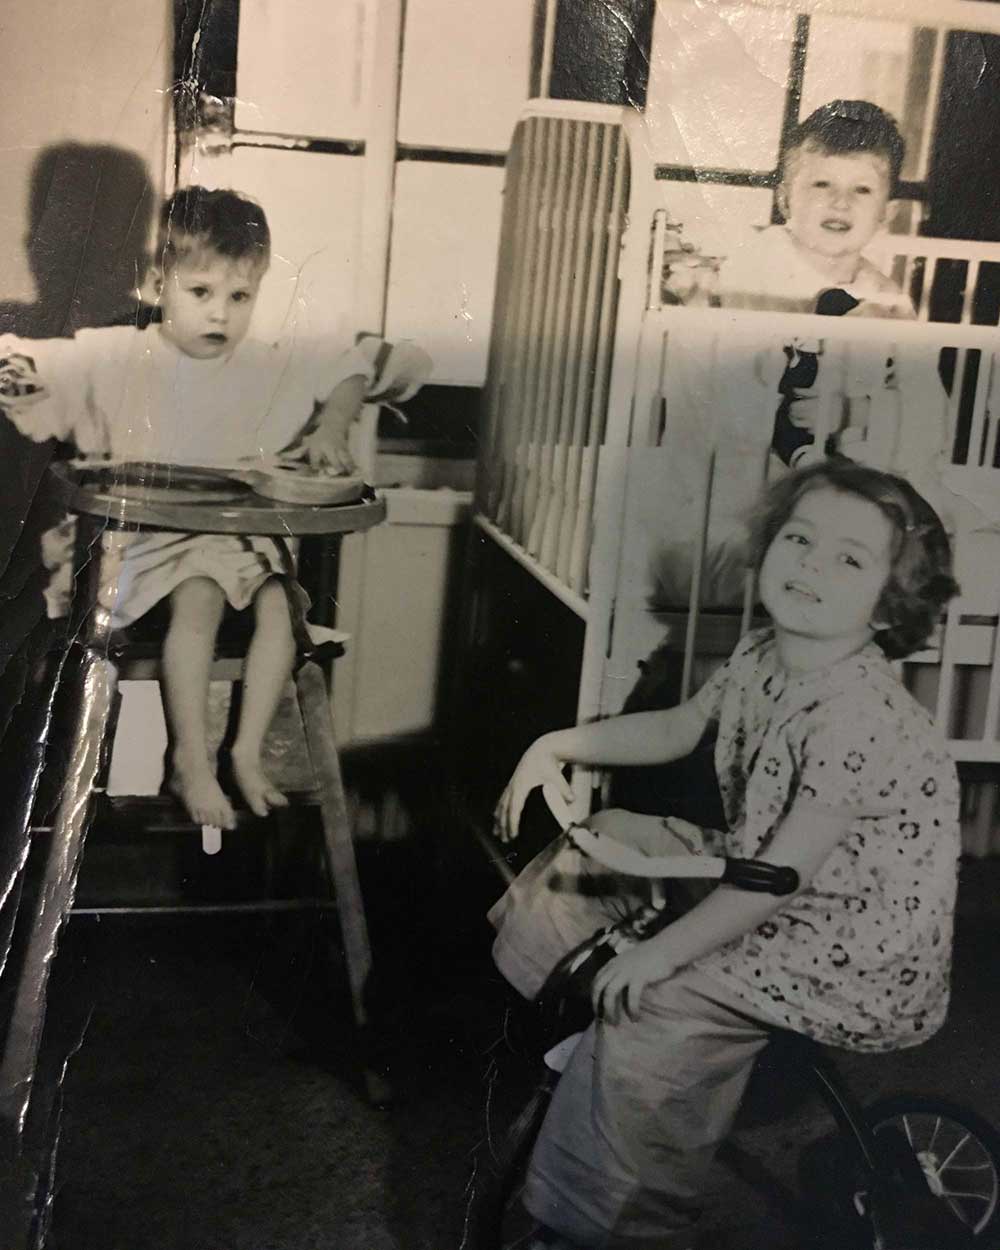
<point>539,766</point>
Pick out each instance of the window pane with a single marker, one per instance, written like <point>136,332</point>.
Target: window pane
<point>302,76</point>
<point>717,85</point>
<point>445,234</point>
<point>465,72</point>
<point>875,69</point>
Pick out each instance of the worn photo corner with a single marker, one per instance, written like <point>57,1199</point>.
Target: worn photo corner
<point>500,629</point>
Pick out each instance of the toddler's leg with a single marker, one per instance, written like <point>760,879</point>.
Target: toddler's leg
<point>268,668</point>
<point>196,610</point>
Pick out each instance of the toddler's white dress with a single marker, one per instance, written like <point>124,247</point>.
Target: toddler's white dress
<point>126,394</point>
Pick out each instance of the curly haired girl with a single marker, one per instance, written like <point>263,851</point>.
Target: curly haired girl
<point>825,763</point>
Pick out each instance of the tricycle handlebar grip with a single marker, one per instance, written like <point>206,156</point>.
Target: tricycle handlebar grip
<point>754,874</point>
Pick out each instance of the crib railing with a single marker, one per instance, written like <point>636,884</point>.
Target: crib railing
<point>947,279</point>
<point>954,281</point>
<point>969,387</point>
<point>551,351</point>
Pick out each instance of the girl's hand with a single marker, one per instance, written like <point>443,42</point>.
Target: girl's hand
<point>619,984</point>
<point>539,766</point>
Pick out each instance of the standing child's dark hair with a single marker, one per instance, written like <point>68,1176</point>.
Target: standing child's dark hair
<point>230,224</point>
<point>920,579</point>
<point>847,127</point>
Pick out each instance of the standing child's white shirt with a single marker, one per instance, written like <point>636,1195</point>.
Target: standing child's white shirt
<point>128,394</point>
<point>766,270</point>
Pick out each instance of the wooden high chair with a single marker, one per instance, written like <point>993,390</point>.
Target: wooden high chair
<point>98,658</point>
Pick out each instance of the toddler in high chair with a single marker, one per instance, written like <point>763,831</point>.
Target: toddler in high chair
<point>196,388</point>
<point>826,764</point>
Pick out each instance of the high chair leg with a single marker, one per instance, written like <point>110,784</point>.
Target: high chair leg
<point>92,690</point>
<point>317,720</point>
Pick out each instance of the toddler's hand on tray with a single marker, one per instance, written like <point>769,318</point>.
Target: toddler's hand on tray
<point>618,987</point>
<point>329,451</point>
<point>324,449</point>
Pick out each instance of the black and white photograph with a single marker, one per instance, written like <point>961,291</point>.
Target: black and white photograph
<point>500,574</point>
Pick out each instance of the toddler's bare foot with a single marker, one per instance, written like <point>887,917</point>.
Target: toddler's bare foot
<point>255,785</point>
<point>194,783</point>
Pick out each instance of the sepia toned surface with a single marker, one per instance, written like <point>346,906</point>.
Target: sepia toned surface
<point>573,207</point>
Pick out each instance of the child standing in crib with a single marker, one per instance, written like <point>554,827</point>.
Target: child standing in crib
<point>196,388</point>
<point>826,764</point>
<point>839,173</point>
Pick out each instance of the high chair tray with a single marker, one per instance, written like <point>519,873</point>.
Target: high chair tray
<point>282,480</point>
<point>211,501</point>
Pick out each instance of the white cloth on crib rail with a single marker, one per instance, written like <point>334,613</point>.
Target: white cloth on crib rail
<point>764,269</point>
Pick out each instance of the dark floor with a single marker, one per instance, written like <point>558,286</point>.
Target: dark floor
<point>214,1102</point>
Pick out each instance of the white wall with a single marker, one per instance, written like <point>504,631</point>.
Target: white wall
<point>91,71</point>
<point>81,72</point>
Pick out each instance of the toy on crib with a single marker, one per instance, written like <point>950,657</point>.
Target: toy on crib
<point>687,275</point>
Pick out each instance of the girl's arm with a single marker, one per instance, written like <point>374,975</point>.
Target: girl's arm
<point>803,841</point>
<point>636,739</point>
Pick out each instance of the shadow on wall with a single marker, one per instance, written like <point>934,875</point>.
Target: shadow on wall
<point>89,213</point>
<point>90,210</point>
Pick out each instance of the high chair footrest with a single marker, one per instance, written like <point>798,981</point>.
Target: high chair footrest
<point>125,648</point>
<point>161,813</point>
<point>238,907</point>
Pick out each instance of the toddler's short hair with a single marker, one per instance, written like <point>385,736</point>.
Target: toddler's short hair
<point>847,127</point>
<point>920,579</point>
<point>226,222</point>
